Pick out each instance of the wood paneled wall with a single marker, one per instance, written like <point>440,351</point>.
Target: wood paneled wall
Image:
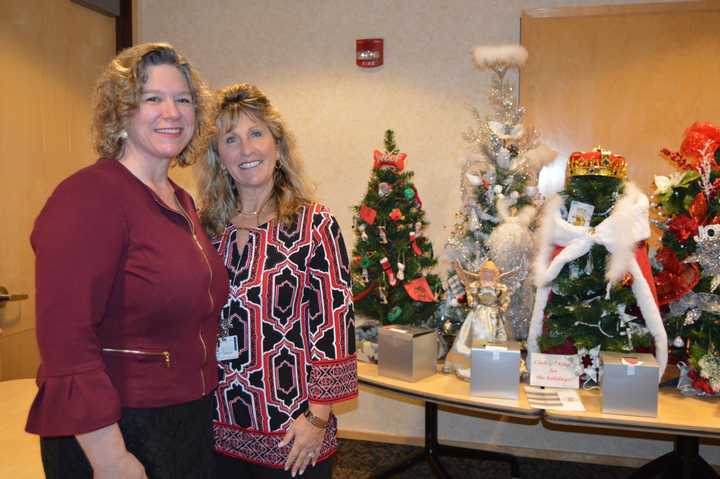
<point>52,52</point>
<point>630,78</point>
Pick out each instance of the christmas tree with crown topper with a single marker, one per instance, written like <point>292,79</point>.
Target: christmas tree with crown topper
<point>688,262</point>
<point>391,255</point>
<point>595,289</point>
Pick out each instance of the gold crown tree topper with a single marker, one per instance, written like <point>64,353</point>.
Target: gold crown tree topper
<point>597,162</point>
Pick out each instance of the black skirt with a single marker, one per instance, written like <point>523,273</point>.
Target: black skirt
<point>171,442</point>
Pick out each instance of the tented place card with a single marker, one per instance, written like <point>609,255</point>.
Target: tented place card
<point>553,370</point>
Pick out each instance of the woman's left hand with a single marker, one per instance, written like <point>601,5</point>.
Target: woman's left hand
<point>306,441</point>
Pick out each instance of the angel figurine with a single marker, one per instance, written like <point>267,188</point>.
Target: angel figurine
<point>488,299</point>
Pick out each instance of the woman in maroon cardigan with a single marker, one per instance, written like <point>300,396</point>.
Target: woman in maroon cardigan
<point>129,288</point>
<point>287,343</point>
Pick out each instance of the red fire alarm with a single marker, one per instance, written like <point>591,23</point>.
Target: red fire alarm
<point>369,52</point>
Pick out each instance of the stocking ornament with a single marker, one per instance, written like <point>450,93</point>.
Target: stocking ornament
<point>385,263</point>
<point>413,242</point>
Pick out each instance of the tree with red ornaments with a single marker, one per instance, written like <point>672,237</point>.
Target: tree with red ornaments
<point>688,262</point>
<point>392,255</point>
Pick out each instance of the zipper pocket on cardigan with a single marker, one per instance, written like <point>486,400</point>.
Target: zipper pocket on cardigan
<point>139,353</point>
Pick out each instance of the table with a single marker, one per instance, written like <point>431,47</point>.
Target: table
<point>446,389</point>
<point>19,451</point>
<point>684,418</point>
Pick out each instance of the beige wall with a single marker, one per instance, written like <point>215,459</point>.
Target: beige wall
<point>302,54</point>
<point>51,53</point>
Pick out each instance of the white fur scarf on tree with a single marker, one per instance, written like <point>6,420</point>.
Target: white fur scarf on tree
<point>620,234</point>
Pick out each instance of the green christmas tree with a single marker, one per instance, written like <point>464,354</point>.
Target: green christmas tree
<point>581,314</point>
<point>688,262</point>
<point>391,255</point>
<point>595,286</point>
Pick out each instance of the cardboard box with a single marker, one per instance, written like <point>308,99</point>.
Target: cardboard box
<point>629,384</point>
<point>495,370</point>
<point>407,352</point>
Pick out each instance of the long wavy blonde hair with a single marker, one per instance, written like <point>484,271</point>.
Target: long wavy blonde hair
<point>119,89</point>
<point>219,198</point>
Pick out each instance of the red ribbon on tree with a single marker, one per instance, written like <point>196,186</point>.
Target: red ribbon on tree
<point>413,242</point>
<point>383,160</point>
<point>699,208</point>
<point>419,290</point>
<point>362,294</point>
<point>676,279</point>
<point>683,226</point>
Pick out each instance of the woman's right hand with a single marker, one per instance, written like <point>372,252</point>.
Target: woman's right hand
<point>105,449</point>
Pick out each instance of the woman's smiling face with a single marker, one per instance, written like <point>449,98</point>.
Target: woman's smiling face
<point>249,153</point>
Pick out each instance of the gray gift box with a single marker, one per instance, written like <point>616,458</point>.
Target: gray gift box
<point>407,352</point>
<point>629,384</point>
<point>495,369</point>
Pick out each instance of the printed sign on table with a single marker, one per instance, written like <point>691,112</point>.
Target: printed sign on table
<point>553,370</point>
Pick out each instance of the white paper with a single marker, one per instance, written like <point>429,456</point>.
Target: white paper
<point>554,398</point>
<point>553,370</point>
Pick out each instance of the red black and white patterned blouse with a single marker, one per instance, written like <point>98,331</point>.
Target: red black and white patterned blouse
<point>290,306</point>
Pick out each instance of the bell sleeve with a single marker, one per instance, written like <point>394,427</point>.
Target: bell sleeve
<point>329,315</point>
<point>79,240</point>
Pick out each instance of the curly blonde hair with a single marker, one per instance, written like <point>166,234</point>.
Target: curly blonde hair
<point>219,198</point>
<point>119,89</point>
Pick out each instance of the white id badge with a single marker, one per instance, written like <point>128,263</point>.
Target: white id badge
<point>227,348</point>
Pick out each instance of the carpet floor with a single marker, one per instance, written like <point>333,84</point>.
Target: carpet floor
<point>358,459</point>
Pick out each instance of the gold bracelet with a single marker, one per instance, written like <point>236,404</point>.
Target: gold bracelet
<point>314,420</point>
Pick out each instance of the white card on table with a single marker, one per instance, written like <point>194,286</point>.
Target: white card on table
<point>227,348</point>
<point>553,370</point>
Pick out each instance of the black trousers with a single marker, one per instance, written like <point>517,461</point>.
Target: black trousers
<point>171,442</point>
<point>229,468</point>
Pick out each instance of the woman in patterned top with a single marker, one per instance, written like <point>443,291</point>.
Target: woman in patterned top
<point>286,349</point>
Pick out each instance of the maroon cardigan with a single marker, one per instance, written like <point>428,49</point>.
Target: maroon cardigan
<point>128,296</point>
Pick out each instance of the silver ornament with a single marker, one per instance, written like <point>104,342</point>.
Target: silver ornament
<point>678,342</point>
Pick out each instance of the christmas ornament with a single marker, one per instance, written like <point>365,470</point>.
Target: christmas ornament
<point>418,229</point>
<point>455,287</point>
<point>365,264</point>
<point>382,234</point>
<point>419,290</point>
<point>396,214</point>
<point>385,264</point>
<point>707,252</point>
<point>488,298</point>
<point>384,189</point>
<point>383,296</point>
<point>416,249</point>
<point>401,271</point>
<point>511,248</point>
<point>368,214</point>
<point>395,161</point>
<point>409,193</point>
<point>363,234</point>
<point>678,342</point>
<point>394,314</point>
